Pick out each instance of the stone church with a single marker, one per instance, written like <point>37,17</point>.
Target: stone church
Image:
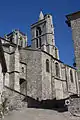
<point>35,72</point>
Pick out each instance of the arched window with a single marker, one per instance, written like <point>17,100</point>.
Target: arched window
<point>22,84</point>
<point>47,65</point>
<point>38,33</point>
<point>39,30</point>
<point>22,69</point>
<point>57,69</point>
<point>71,76</point>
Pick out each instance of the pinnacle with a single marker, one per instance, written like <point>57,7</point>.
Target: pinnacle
<point>41,16</point>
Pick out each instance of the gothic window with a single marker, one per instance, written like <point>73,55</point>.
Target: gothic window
<point>22,69</point>
<point>47,65</point>
<point>57,69</point>
<point>71,76</point>
<point>38,31</point>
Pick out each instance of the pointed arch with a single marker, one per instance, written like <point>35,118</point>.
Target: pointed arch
<point>38,31</point>
<point>47,65</point>
<point>38,37</point>
<point>57,69</point>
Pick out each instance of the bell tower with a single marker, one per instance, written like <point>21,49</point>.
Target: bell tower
<point>17,37</point>
<point>43,34</point>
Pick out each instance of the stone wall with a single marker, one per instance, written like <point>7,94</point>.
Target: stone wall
<point>40,84</point>
<point>46,77</point>
<point>34,72</point>
<point>15,100</point>
<point>72,88</point>
<point>75,25</point>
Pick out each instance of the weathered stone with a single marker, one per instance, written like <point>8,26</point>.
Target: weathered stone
<point>35,75</point>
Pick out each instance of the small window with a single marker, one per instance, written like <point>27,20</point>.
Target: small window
<point>21,81</point>
<point>22,69</point>
<point>38,31</point>
<point>47,65</point>
<point>22,84</point>
<point>71,75</point>
<point>57,69</point>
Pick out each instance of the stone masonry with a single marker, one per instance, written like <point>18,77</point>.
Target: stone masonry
<point>34,74</point>
<point>73,21</point>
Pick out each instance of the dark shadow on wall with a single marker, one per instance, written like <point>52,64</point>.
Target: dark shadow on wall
<point>58,105</point>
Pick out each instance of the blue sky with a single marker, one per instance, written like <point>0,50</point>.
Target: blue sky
<point>22,13</point>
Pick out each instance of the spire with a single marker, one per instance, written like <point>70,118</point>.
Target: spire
<point>41,16</point>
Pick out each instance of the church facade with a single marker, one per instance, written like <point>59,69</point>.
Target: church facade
<point>35,71</point>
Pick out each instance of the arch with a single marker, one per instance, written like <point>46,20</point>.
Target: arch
<point>71,76</point>
<point>22,83</point>
<point>47,65</point>
<point>22,69</point>
<point>57,69</point>
<point>38,31</point>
